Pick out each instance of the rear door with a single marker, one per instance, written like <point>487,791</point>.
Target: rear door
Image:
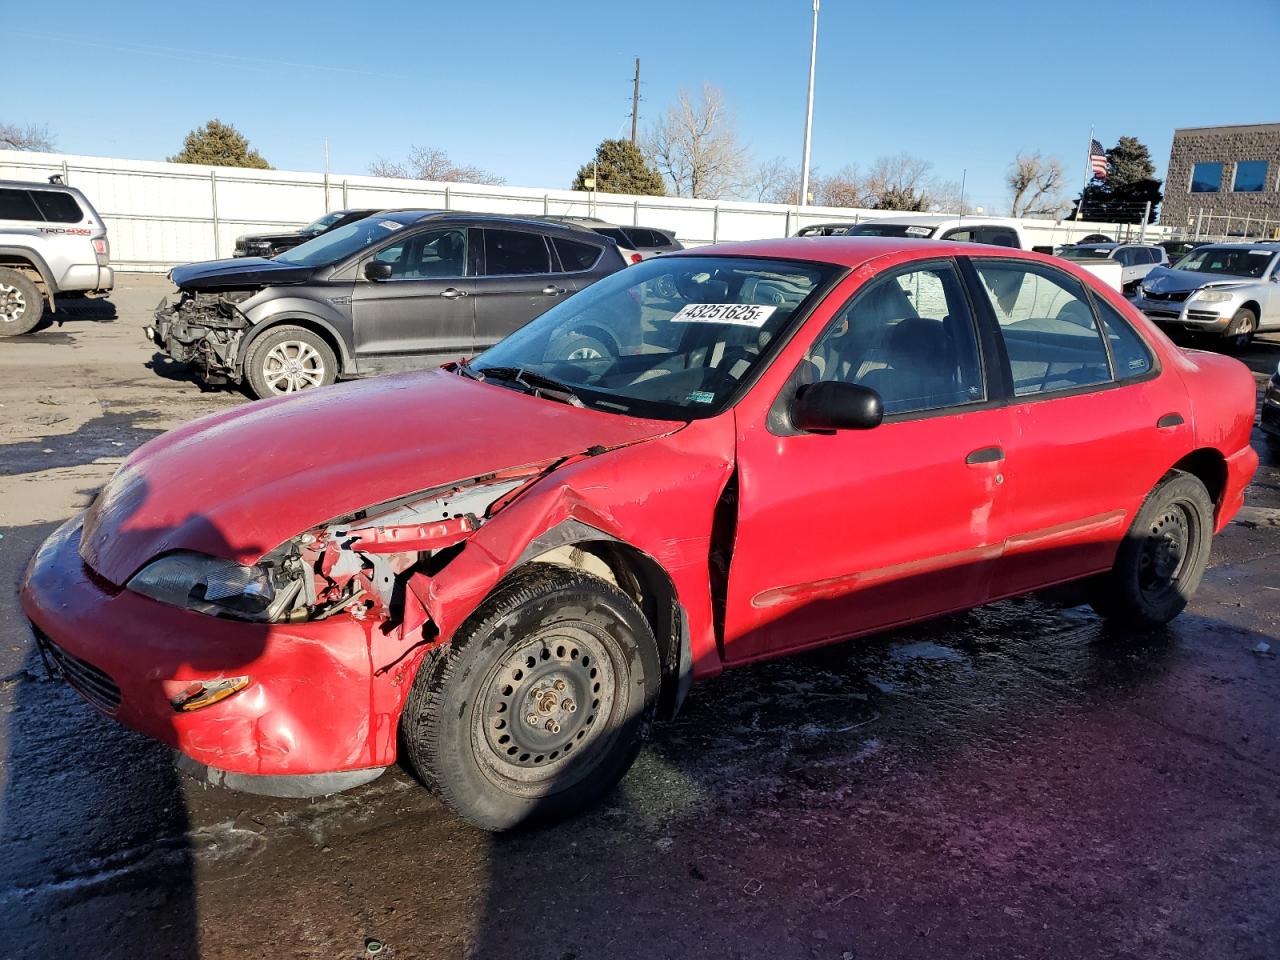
<point>520,279</point>
<point>1095,424</point>
<point>425,312</point>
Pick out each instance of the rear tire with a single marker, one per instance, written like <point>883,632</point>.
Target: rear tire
<point>1243,326</point>
<point>289,359</point>
<point>1162,558</point>
<point>21,305</point>
<point>540,703</point>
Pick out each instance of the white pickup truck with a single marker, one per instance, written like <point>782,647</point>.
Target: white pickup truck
<point>998,231</point>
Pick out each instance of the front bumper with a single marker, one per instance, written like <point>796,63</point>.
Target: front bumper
<point>1192,315</point>
<point>312,708</point>
<point>211,349</point>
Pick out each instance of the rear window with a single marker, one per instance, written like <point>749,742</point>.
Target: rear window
<point>58,207</point>
<point>575,255</point>
<point>18,205</point>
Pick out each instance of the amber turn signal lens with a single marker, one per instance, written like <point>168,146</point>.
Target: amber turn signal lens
<point>204,693</point>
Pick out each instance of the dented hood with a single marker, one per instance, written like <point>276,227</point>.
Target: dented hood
<point>238,484</point>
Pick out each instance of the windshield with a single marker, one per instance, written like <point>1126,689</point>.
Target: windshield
<point>1228,261</point>
<point>324,223</point>
<point>1088,253</point>
<point>671,338</point>
<point>874,229</point>
<point>341,243</point>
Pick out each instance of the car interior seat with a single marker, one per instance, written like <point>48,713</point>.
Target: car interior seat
<point>920,372</point>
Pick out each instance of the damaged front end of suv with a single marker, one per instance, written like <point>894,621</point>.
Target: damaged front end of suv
<point>203,329</point>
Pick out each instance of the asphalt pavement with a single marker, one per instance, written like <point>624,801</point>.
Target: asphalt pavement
<point>1021,781</point>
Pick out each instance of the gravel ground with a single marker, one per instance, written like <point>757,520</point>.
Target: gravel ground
<point>1019,781</point>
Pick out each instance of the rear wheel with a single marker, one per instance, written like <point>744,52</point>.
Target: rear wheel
<point>1243,326</point>
<point>540,703</point>
<point>1162,559</point>
<point>21,305</point>
<point>289,359</point>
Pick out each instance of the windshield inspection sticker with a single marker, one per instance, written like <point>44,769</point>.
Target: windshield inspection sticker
<point>390,224</point>
<point>702,396</point>
<point>740,314</point>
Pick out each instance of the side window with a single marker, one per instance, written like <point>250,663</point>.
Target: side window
<point>575,255</point>
<point>512,252</point>
<point>998,236</point>
<point>18,205</point>
<point>910,337</point>
<point>437,254</point>
<point>1126,255</point>
<point>962,236</point>
<point>57,207</point>
<point>1128,352</point>
<point>1048,326</point>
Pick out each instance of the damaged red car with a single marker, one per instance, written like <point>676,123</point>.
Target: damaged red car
<point>500,572</point>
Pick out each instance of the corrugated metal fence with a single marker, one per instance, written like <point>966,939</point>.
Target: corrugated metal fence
<point>162,214</point>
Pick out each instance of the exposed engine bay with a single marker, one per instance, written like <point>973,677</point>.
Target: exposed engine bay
<point>203,329</point>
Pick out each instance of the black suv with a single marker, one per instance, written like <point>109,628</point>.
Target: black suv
<point>401,290</point>
<point>270,244</point>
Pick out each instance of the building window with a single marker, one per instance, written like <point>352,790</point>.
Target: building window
<point>1206,178</point>
<point>1251,176</point>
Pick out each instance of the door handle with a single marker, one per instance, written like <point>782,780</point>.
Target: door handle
<point>452,293</point>
<point>551,290</point>
<point>985,455</point>
<point>1170,420</point>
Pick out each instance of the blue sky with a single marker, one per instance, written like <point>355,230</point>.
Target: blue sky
<point>526,90</point>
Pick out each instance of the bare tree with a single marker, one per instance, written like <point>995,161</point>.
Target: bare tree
<point>944,196</point>
<point>696,147</point>
<point>30,137</point>
<point>1034,183</point>
<point>430,163</point>
<point>896,180</point>
<point>773,181</point>
<point>844,188</point>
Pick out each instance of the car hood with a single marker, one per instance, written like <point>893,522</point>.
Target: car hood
<point>275,237</point>
<point>237,273</point>
<point>1168,280</point>
<point>239,483</point>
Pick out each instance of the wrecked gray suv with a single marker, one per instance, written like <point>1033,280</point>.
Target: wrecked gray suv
<point>396,291</point>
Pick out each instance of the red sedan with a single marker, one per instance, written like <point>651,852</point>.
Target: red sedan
<point>511,566</point>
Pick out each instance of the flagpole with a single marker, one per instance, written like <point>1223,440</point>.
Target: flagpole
<point>1088,168</point>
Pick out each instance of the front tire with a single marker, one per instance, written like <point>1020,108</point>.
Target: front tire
<point>1163,557</point>
<point>21,305</point>
<point>1243,326</point>
<point>539,705</point>
<point>289,359</point>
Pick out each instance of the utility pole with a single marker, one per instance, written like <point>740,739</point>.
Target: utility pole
<point>808,113</point>
<point>635,102</point>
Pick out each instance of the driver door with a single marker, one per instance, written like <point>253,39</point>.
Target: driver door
<point>852,531</point>
<point>424,314</point>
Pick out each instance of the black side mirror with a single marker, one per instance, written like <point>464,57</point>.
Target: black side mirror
<point>377,270</point>
<point>830,405</point>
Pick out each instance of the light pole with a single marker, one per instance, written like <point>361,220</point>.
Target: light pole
<point>808,113</point>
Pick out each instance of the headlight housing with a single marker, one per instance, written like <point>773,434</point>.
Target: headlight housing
<point>211,585</point>
<point>1214,296</point>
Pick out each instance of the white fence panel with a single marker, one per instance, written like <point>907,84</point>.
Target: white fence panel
<point>162,214</point>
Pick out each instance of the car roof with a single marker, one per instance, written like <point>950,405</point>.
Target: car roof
<point>36,185</point>
<point>938,219</point>
<point>1246,244</point>
<point>854,251</point>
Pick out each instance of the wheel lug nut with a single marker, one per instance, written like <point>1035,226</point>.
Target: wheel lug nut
<point>559,684</point>
<point>553,726</point>
<point>568,705</point>
<point>532,719</point>
<point>535,693</point>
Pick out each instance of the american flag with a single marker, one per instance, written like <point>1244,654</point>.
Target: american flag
<point>1098,160</point>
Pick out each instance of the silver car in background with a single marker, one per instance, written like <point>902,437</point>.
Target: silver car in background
<point>1231,290</point>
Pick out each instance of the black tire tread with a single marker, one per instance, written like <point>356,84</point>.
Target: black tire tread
<point>35,303</point>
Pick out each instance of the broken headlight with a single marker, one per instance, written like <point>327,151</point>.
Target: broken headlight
<point>212,585</point>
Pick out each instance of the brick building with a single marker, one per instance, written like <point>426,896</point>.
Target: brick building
<point>1229,176</point>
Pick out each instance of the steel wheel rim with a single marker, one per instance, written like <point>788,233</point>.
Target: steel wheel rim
<point>571,662</point>
<point>1167,551</point>
<point>12,303</point>
<point>292,365</point>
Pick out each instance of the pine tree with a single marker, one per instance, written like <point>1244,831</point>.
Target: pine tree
<point>219,144</point>
<point>1123,195</point>
<point>620,167</point>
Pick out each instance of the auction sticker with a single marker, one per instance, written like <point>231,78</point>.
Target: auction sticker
<point>390,224</point>
<point>741,314</point>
